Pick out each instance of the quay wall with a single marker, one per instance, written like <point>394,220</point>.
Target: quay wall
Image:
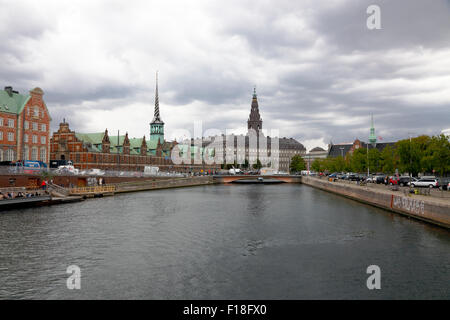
<point>29,180</point>
<point>435,211</point>
<point>133,186</point>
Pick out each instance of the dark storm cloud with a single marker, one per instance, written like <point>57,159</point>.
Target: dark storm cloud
<point>405,24</point>
<point>319,71</point>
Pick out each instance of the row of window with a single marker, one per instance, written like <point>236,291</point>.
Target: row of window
<point>10,136</point>
<point>9,123</point>
<point>36,154</point>
<point>35,139</point>
<point>7,155</point>
<point>34,125</point>
<point>25,137</point>
<point>35,112</point>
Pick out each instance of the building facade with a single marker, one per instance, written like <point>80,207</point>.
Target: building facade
<point>240,150</point>
<point>24,126</point>
<point>313,154</point>
<point>101,150</point>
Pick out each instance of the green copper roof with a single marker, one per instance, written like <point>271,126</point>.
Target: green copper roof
<point>93,141</point>
<point>14,103</point>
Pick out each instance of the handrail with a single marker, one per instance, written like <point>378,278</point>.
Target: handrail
<point>95,189</point>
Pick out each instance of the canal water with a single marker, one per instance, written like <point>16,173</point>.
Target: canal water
<point>221,242</point>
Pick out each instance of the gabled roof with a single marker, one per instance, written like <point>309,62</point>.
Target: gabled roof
<point>13,104</point>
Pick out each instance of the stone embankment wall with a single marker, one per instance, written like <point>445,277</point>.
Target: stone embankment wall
<point>162,184</point>
<point>429,209</point>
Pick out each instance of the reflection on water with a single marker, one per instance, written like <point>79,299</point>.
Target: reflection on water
<point>221,242</point>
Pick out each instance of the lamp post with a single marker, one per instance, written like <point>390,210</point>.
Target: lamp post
<point>410,160</point>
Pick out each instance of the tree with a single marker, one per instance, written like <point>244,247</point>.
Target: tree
<point>358,160</point>
<point>374,160</point>
<point>438,154</point>
<point>297,163</point>
<point>411,154</point>
<point>257,165</point>
<point>317,165</point>
<point>387,160</point>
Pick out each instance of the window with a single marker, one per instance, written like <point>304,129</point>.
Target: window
<point>1,155</point>
<point>43,140</point>
<point>34,154</point>
<point>43,128</point>
<point>36,112</point>
<point>11,123</point>
<point>43,154</point>
<point>35,126</point>
<point>10,155</point>
<point>34,138</point>
<point>25,138</point>
<point>1,121</point>
<point>10,137</point>
<point>26,153</point>
<point>26,125</point>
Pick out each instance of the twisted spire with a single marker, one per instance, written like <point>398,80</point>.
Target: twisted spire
<point>157,117</point>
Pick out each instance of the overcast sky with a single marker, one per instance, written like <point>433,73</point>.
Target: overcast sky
<point>319,71</point>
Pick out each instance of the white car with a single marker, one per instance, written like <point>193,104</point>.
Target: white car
<point>430,183</point>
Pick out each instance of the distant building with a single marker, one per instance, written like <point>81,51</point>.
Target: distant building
<point>342,149</point>
<point>229,148</point>
<point>102,151</point>
<point>313,154</point>
<point>119,152</point>
<point>24,126</point>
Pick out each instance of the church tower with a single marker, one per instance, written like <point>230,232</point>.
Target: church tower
<point>157,125</point>
<point>372,136</point>
<point>254,121</point>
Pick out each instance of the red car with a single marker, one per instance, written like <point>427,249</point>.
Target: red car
<point>393,180</point>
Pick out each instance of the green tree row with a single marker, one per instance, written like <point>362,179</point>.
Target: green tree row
<point>421,154</point>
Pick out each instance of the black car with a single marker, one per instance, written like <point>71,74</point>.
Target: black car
<point>403,181</point>
<point>380,179</point>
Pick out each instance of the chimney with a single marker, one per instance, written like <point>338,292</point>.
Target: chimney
<point>9,90</point>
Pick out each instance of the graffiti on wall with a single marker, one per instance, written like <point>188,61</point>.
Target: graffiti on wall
<point>409,204</point>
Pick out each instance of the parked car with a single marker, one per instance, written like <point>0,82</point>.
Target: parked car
<point>412,181</point>
<point>393,180</point>
<point>444,182</point>
<point>404,180</point>
<point>379,179</point>
<point>430,183</point>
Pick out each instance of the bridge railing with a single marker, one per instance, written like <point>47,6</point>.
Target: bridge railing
<point>95,189</point>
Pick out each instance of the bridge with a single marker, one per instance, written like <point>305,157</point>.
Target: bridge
<point>282,178</point>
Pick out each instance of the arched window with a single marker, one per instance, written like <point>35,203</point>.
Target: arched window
<point>43,155</point>
<point>10,155</point>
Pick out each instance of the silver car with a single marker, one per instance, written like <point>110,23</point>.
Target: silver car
<point>429,183</point>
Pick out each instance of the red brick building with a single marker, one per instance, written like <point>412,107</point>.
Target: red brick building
<point>24,126</point>
<point>102,151</point>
